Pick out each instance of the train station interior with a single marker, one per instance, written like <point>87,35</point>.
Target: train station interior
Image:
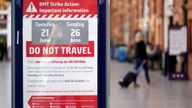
<point>166,27</point>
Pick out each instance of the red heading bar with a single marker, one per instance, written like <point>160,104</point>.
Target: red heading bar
<point>59,7</point>
<point>60,50</point>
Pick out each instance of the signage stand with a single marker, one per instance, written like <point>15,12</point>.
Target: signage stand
<point>178,53</point>
<point>59,54</point>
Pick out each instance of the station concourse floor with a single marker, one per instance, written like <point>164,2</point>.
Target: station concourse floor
<point>161,94</point>
<point>5,84</point>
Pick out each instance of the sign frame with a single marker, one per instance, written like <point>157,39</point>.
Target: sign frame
<point>17,54</point>
<point>172,58</point>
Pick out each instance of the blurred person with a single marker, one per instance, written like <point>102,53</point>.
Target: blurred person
<point>141,56</point>
<point>154,55</point>
<point>3,50</point>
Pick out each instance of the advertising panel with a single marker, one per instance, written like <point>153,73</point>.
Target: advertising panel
<point>60,54</point>
<point>178,54</point>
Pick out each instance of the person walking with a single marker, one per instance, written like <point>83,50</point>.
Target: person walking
<point>141,56</point>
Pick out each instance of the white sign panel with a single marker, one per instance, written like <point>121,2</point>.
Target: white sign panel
<point>60,53</point>
<point>178,41</point>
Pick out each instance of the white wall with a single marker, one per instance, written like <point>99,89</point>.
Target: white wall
<point>9,27</point>
<point>168,12</point>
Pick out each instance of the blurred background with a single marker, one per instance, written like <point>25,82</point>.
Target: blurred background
<point>167,29</point>
<point>5,54</point>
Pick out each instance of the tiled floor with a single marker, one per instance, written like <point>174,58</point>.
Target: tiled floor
<point>5,84</point>
<point>162,94</point>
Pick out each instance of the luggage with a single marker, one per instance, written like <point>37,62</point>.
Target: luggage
<point>130,77</point>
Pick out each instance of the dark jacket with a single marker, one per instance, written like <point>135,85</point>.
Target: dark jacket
<point>141,52</point>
